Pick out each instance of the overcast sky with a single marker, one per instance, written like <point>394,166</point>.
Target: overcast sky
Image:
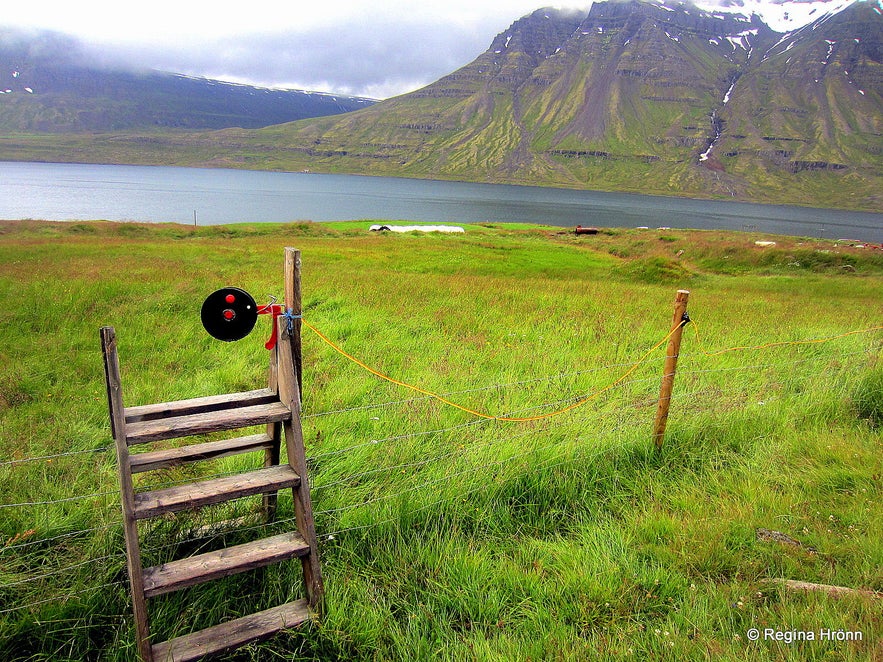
<point>376,48</point>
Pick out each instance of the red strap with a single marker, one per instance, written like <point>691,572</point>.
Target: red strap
<point>276,310</point>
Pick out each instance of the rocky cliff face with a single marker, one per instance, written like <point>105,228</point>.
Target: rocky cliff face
<point>812,102</point>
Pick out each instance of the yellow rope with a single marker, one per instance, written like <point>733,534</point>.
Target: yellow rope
<point>509,419</point>
<point>776,344</point>
<point>580,403</point>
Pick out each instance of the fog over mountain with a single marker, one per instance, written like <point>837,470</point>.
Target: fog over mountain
<point>353,60</point>
<point>377,50</point>
<point>51,83</point>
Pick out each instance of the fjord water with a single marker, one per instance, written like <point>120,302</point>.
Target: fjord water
<point>51,191</point>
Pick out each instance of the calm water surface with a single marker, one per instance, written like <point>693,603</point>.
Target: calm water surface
<point>165,194</point>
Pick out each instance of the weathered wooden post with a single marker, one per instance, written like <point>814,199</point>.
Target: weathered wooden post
<point>294,307</point>
<point>671,364</point>
<point>290,366</point>
<point>127,490</point>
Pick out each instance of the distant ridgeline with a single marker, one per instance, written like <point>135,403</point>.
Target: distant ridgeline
<point>47,85</point>
<point>638,96</point>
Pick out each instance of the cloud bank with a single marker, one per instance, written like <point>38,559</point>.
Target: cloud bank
<point>373,58</point>
<point>389,49</point>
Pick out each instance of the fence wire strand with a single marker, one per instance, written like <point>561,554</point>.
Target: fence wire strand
<point>480,414</point>
<point>499,386</point>
<point>44,458</point>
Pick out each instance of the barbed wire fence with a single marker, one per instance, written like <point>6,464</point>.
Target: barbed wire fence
<point>69,548</point>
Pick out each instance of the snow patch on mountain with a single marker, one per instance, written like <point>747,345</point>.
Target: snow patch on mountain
<point>781,17</point>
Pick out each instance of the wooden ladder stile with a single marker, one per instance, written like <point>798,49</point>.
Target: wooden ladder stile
<point>277,407</point>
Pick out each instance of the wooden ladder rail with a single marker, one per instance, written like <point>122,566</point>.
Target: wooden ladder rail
<point>127,490</point>
<point>280,406</point>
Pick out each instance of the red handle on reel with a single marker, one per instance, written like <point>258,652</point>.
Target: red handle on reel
<point>274,309</point>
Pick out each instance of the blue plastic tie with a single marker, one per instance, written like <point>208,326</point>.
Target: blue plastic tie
<point>290,317</point>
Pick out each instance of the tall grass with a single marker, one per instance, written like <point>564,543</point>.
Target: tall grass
<point>444,536</point>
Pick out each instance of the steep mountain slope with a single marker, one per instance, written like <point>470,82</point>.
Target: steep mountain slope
<point>813,103</point>
<point>46,86</point>
<point>637,96</point>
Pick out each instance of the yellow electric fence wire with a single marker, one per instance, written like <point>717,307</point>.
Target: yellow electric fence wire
<point>580,403</point>
<point>508,419</point>
<point>777,344</point>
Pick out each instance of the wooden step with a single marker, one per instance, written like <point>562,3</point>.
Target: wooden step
<point>216,490</point>
<point>232,634</point>
<point>176,575</point>
<point>213,421</point>
<point>171,457</point>
<point>199,405</point>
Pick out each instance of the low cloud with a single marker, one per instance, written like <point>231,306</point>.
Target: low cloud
<point>40,45</point>
<point>376,54</point>
<point>368,57</point>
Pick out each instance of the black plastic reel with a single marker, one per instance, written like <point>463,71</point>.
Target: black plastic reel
<point>229,314</point>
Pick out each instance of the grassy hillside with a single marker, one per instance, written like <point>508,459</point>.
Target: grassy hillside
<point>444,536</point>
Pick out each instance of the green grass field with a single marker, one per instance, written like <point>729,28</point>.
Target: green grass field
<point>444,536</point>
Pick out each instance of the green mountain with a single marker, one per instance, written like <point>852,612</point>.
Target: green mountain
<point>637,96</point>
<point>810,112</point>
<point>648,96</point>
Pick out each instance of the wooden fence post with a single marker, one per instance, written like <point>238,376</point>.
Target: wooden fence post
<point>671,365</point>
<point>293,303</point>
<point>291,367</point>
